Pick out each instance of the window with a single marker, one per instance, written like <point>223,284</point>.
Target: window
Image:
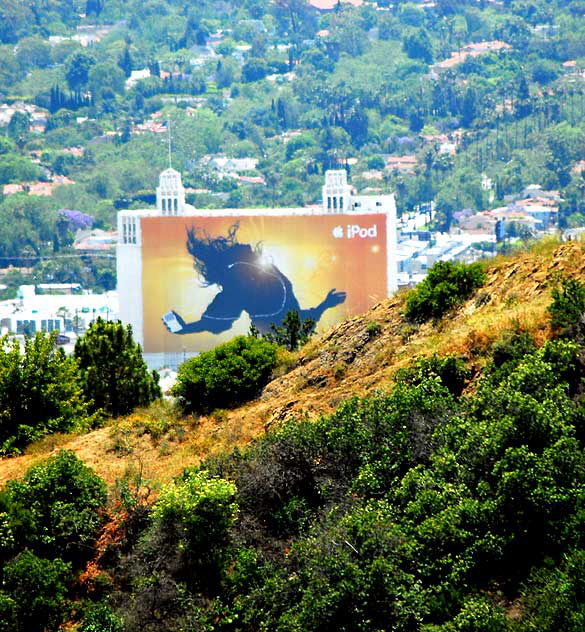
<point>26,327</point>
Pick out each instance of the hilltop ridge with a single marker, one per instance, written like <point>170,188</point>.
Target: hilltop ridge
<point>356,357</point>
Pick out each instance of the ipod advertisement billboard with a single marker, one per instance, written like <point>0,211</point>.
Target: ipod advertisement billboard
<point>208,279</point>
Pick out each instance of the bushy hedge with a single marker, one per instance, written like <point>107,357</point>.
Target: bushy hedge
<point>226,376</point>
<point>56,507</point>
<point>446,286</point>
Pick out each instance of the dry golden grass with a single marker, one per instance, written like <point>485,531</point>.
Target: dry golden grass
<point>343,362</point>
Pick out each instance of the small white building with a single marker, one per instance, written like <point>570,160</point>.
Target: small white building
<point>31,312</point>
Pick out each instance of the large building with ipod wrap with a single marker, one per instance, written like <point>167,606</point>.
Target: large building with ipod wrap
<point>190,279</point>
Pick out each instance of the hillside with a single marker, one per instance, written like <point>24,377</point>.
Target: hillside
<point>350,359</point>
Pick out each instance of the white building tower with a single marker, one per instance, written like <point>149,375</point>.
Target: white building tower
<point>336,192</point>
<point>170,194</point>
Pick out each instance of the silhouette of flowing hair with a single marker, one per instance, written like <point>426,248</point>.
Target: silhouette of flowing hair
<point>212,255</point>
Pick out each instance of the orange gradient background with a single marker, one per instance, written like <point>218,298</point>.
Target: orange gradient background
<point>302,247</point>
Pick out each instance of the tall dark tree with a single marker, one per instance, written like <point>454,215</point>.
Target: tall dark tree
<point>523,105</point>
<point>113,372</point>
<point>469,107</point>
<point>125,62</point>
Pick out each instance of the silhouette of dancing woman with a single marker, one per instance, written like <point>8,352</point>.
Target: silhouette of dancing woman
<point>248,284</point>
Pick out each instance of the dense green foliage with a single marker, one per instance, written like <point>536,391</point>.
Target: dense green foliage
<point>226,376</point>
<point>197,514</point>
<point>40,392</point>
<point>422,509</point>
<point>568,305</point>
<point>38,588</point>
<point>446,286</point>
<point>49,521</point>
<point>114,376</point>
<point>55,508</point>
<point>436,507</point>
<point>451,504</point>
<point>297,89</point>
<point>43,391</point>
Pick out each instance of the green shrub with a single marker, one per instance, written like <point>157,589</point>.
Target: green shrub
<point>100,618</point>
<point>451,372</point>
<point>554,598</point>
<point>198,513</point>
<point>568,304</point>
<point>480,615</point>
<point>374,329</point>
<point>8,614</point>
<point>226,376</point>
<point>38,588</point>
<point>446,286</point>
<point>55,508</point>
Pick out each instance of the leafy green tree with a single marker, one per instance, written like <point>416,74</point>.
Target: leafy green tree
<point>226,376</point>
<point>469,108</point>
<point>15,168</point>
<point>56,508</point>
<point>417,45</point>
<point>18,128</point>
<point>33,52</point>
<point>39,590</point>
<point>77,68</point>
<point>39,392</point>
<point>254,69</point>
<point>14,18</point>
<point>10,71</point>
<point>293,333</point>
<point>114,376</point>
<point>104,76</point>
<point>125,62</point>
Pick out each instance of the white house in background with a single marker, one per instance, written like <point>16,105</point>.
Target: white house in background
<point>136,76</point>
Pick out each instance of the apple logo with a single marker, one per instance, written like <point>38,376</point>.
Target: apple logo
<point>337,232</point>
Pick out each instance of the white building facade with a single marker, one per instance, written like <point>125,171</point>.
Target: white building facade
<point>339,202</point>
